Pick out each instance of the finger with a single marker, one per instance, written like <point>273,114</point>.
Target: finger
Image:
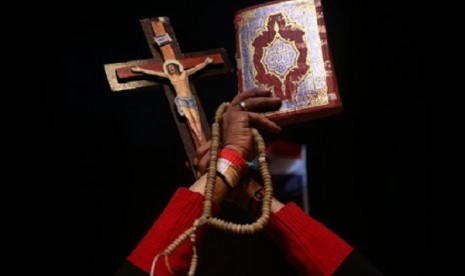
<point>259,121</point>
<point>203,163</point>
<point>200,151</point>
<point>257,104</point>
<point>254,92</point>
<point>262,104</point>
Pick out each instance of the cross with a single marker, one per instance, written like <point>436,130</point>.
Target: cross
<point>137,75</point>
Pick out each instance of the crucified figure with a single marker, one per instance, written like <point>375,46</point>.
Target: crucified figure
<point>185,101</point>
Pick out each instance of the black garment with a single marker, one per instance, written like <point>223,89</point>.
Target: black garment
<point>354,265</point>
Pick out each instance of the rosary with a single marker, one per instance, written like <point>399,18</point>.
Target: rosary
<point>206,218</point>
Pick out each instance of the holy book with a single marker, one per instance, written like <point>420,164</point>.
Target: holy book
<point>282,45</point>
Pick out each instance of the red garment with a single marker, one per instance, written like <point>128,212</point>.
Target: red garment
<point>309,245</point>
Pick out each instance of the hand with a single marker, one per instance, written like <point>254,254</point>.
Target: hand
<point>136,69</point>
<point>236,133</point>
<point>208,60</point>
<point>237,122</point>
<point>202,159</point>
<point>236,126</point>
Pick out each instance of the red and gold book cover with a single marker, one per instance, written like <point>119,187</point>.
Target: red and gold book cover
<point>282,45</point>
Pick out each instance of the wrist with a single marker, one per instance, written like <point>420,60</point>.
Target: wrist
<point>240,150</point>
<point>231,166</point>
<point>199,186</point>
<point>256,201</point>
<point>276,205</point>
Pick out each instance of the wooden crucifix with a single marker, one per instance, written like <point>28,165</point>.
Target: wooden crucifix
<point>171,69</point>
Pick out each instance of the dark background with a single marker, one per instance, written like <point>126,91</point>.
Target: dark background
<point>117,158</point>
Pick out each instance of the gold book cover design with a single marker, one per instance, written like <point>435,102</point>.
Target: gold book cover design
<point>282,45</point>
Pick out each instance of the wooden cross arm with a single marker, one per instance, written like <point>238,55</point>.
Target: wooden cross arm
<point>188,61</point>
<point>121,78</point>
<point>117,85</point>
<point>221,63</point>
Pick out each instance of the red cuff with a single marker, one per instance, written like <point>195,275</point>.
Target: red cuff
<point>236,159</point>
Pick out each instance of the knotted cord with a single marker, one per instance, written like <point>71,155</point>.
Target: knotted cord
<point>206,218</point>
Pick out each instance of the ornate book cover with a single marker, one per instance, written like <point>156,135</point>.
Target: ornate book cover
<point>282,45</point>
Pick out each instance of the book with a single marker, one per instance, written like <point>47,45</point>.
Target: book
<point>283,46</point>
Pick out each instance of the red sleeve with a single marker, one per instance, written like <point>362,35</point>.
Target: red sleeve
<point>183,209</point>
<point>309,245</point>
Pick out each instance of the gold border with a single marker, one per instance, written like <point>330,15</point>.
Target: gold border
<point>116,86</point>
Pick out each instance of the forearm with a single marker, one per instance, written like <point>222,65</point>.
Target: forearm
<point>180,213</point>
<point>149,72</point>
<point>154,73</point>
<point>197,68</point>
<point>310,246</point>
<point>201,65</point>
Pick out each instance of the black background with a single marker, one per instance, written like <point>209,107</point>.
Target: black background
<point>117,158</point>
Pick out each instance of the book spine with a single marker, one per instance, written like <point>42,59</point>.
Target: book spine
<point>331,80</point>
